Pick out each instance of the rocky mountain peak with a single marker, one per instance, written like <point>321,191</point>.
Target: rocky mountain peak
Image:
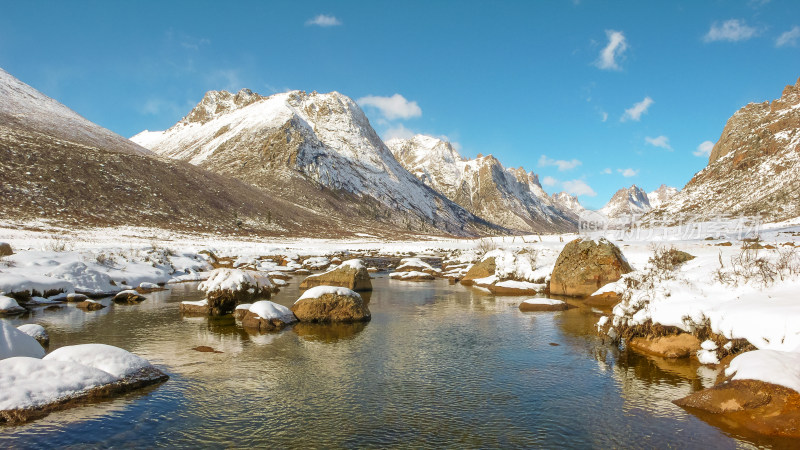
<point>627,201</point>
<point>216,103</point>
<point>661,195</point>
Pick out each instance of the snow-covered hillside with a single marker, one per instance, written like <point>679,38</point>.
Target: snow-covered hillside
<point>661,195</point>
<point>322,138</point>
<point>509,197</point>
<point>22,106</point>
<point>627,202</point>
<point>753,169</point>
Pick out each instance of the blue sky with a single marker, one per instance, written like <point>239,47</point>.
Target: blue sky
<point>539,84</point>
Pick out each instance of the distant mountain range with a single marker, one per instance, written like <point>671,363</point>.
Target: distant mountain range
<point>302,163</point>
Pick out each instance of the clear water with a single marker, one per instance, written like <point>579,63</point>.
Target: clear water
<point>438,366</point>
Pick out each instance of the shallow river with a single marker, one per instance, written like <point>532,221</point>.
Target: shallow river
<point>438,365</point>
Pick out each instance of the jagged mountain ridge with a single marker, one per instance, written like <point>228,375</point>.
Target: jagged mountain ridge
<point>626,202</point>
<point>753,169</point>
<point>661,195</point>
<point>509,197</point>
<point>320,146</point>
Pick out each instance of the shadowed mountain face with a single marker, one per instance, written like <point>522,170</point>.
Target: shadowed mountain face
<point>318,150</point>
<point>753,169</point>
<point>512,198</point>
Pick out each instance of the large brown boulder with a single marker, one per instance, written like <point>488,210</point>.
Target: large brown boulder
<point>90,305</point>
<point>5,249</point>
<point>351,274</point>
<point>331,304</point>
<point>483,269</point>
<point>752,405</point>
<point>585,265</point>
<point>542,304</point>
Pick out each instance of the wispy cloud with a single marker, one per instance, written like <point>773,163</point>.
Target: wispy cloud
<point>398,132</point>
<point>578,187</point>
<point>613,51</point>
<point>732,30</point>
<point>607,171</point>
<point>549,181</point>
<point>704,149</point>
<point>394,107</point>
<point>627,173</point>
<point>660,141</point>
<point>788,38</point>
<point>562,165</point>
<point>323,20</point>
<point>635,112</point>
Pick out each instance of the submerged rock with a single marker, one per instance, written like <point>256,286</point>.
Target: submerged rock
<point>331,304</point>
<point>350,274</point>
<point>75,297</point>
<point>90,305</point>
<point>542,304</point>
<point>585,265</point>
<point>681,345</point>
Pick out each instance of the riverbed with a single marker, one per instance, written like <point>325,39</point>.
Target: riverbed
<point>438,365</point>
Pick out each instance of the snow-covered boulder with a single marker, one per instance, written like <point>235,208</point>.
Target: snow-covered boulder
<point>84,279</point>
<point>75,297</point>
<point>351,274</point>
<point>485,268</point>
<point>129,297</point>
<point>542,304</point>
<point>147,287</point>
<point>265,315</point>
<point>23,285</point>
<point>761,394</point>
<point>34,387</point>
<point>585,265</point>
<point>416,265</point>
<point>331,304</point>
<point>9,306</point>
<point>317,263</point>
<point>14,342</point>
<point>37,332</point>
<point>413,275</point>
<point>226,288</point>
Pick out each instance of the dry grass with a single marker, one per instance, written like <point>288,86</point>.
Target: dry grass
<point>755,264</point>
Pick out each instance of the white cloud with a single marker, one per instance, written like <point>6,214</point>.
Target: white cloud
<point>788,37</point>
<point>398,132</point>
<point>704,149</point>
<point>607,171</point>
<point>627,173</point>
<point>323,20</point>
<point>549,181</point>
<point>732,30</point>
<point>394,107</point>
<point>660,141</point>
<point>562,165</point>
<point>635,112</point>
<point>578,187</point>
<point>608,59</point>
<point>605,116</point>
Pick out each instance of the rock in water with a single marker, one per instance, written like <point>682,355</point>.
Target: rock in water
<point>226,288</point>
<point>351,274</point>
<point>90,305</point>
<point>331,304</point>
<point>483,269</point>
<point>129,297</point>
<point>585,265</point>
<point>37,332</point>
<point>267,316</point>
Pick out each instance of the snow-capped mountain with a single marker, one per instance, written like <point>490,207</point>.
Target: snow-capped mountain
<point>661,195</point>
<point>308,145</point>
<point>509,197</point>
<point>23,107</point>
<point>626,203</point>
<point>58,166</point>
<point>753,169</point>
<point>568,202</point>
